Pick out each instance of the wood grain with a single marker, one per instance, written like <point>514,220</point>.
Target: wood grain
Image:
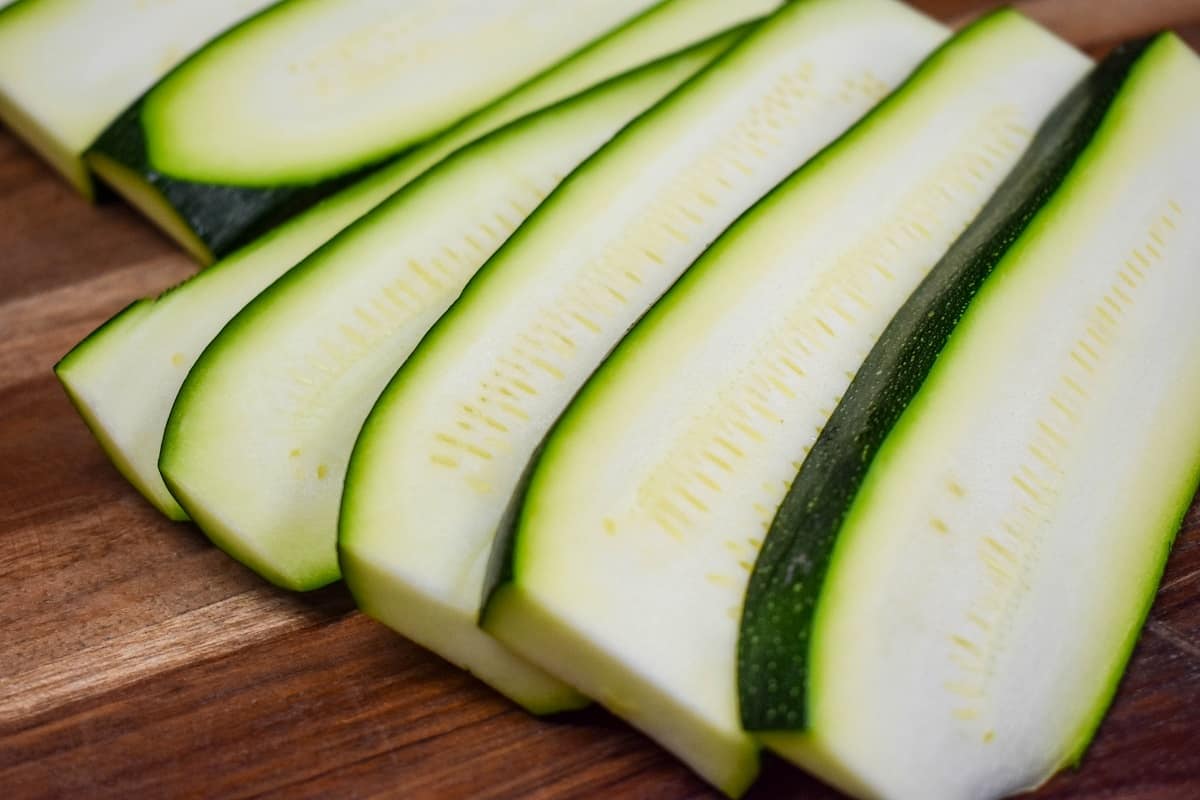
<point>137,661</point>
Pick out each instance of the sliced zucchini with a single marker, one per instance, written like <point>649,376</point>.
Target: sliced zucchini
<point>948,597</point>
<point>257,442</point>
<point>314,94</point>
<point>646,508</point>
<point>68,68</point>
<point>441,453</point>
<point>124,377</point>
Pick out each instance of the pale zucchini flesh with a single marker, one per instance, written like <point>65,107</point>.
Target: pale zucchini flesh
<point>440,456</point>
<point>258,438</point>
<point>646,509</point>
<point>315,89</point>
<point>124,377</point>
<point>992,571</point>
<point>69,67</point>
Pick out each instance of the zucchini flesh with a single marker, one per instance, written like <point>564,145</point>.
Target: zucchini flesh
<point>124,377</point>
<point>211,220</point>
<point>311,82</point>
<point>62,81</point>
<point>320,88</point>
<point>442,451</point>
<point>972,577</point>
<point>257,441</point>
<point>650,499</point>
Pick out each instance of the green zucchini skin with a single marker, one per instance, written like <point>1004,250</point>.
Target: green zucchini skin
<point>788,576</point>
<point>222,218</point>
<point>214,218</point>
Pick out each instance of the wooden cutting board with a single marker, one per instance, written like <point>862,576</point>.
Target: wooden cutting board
<point>138,661</point>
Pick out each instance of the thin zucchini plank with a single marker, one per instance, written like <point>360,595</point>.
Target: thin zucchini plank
<point>257,441</point>
<point>644,513</point>
<point>124,377</point>
<point>314,94</point>
<point>442,452</point>
<point>68,68</point>
<point>947,599</point>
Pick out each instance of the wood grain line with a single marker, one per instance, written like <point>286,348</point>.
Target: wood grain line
<point>211,631</point>
<point>1173,637</point>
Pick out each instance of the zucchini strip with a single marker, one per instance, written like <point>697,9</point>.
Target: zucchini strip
<point>314,94</point>
<point>124,377</point>
<point>258,439</point>
<point>632,547</point>
<point>948,596</point>
<point>440,456</point>
<point>62,80</point>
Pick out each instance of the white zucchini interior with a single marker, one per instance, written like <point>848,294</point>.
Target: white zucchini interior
<point>648,507</point>
<point>996,567</point>
<point>69,67</point>
<point>258,440</point>
<point>318,88</point>
<point>124,377</point>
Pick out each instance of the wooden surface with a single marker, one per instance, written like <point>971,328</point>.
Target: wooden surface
<point>138,661</point>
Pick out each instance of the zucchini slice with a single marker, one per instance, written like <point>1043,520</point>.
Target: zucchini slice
<point>257,441</point>
<point>68,68</point>
<point>947,599</point>
<point>313,94</point>
<point>124,377</point>
<point>442,452</point>
<point>645,510</point>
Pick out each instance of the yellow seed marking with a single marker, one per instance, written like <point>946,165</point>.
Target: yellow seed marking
<point>965,644</point>
<point>1129,281</point>
<point>1114,305</point>
<point>610,526</point>
<point>1121,293</point>
<point>1175,207</point>
<point>1167,221</point>
<point>1041,456</point>
<point>424,274</point>
<point>956,488</point>
<point>749,431</point>
<point>1089,349</point>
<point>1074,386</point>
<point>585,322</point>
<point>979,622</point>
<point>746,565</point>
<point>548,368</point>
<point>989,737</point>
<point>1025,487</point>
<point>525,387</point>
<point>693,500</point>
<point>720,580</point>
<point>620,298</point>
<point>1001,550</point>
<point>730,446</point>
<point>824,326</point>
<point>965,714</point>
<point>678,234</point>
<point>670,527</point>
<point>1153,251</point>
<point>707,481</point>
<point>178,360</point>
<point>882,270</point>
<point>294,453</point>
<point>633,277</point>
<point>939,525</point>
<point>509,408</point>
<point>443,461</point>
<point>1078,359</point>
<point>782,387</point>
<point>1064,408</point>
<point>720,462</point>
